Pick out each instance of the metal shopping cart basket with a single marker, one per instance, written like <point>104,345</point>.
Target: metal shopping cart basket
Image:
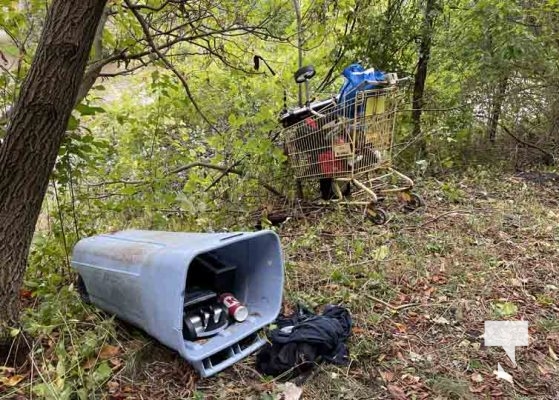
<point>349,144</point>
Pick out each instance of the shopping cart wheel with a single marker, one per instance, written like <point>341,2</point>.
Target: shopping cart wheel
<point>376,215</point>
<point>414,202</point>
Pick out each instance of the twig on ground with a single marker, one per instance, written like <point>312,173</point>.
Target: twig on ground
<point>247,367</point>
<point>394,308</point>
<point>462,212</point>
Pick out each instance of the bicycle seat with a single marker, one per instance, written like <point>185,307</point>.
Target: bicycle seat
<point>304,74</point>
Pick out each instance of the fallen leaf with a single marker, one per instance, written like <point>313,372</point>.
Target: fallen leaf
<point>515,282</point>
<point>414,357</point>
<point>442,267</point>
<point>402,298</point>
<point>12,380</point>
<point>410,379</point>
<point>357,330</point>
<point>477,390</point>
<point>476,377</point>
<point>108,351</point>
<point>552,354</point>
<point>290,391</point>
<point>113,386</point>
<point>441,321</point>
<point>429,291</point>
<point>115,362</point>
<point>543,370</point>
<point>397,392</point>
<point>9,370</point>
<point>89,363</point>
<point>59,383</point>
<point>381,253</point>
<point>387,376</point>
<point>438,279</point>
<point>332,286</point>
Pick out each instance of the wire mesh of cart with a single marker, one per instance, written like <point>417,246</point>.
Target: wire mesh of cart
<point>352,142</point>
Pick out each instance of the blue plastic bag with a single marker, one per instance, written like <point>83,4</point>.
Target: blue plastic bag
<point>357,79</point>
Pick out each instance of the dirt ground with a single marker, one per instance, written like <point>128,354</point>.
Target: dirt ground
<point>419,289</point>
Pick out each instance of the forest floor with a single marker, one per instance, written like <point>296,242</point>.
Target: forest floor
<point>419,290</point>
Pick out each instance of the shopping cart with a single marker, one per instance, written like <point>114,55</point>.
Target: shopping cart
<point>348,145</point>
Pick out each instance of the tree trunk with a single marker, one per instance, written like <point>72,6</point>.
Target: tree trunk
<point>421,71</point>
<point>553,132</point>
<point>34,134</point>
<point>496,106</point>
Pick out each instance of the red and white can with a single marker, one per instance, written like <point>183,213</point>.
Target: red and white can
<point>236,310</point>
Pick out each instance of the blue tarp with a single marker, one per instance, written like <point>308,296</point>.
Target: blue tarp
<point>357,79</point>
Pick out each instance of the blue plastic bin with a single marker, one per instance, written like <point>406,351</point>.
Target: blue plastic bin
<point>141,276</point>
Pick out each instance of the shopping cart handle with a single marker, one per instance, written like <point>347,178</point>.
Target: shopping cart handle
<point>383,82</point>
<point>292,116</point>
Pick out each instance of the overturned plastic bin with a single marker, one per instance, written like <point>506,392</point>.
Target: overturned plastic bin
<point>142,277</point>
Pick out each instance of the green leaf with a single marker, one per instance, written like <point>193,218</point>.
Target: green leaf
<point>102,372</point>
<point>82,394</point>
<point>155,76</point>
<point>84,109</point>
<point>42,390</point>
<point>381,253</point>
<point>73,123</point>
<point>506,309</point>
<point>60,368</point>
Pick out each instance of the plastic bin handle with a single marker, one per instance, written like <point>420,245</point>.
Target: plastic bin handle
<point>231,237</point>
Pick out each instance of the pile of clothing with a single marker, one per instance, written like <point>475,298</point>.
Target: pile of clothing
<point>303,339</point>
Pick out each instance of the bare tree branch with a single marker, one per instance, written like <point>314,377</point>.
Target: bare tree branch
<point>549,156</point>
<point>225,170</point>
<point>123,182</point>
<point>168,64</point>
<point>146,7</point>
<point>229,170</point>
